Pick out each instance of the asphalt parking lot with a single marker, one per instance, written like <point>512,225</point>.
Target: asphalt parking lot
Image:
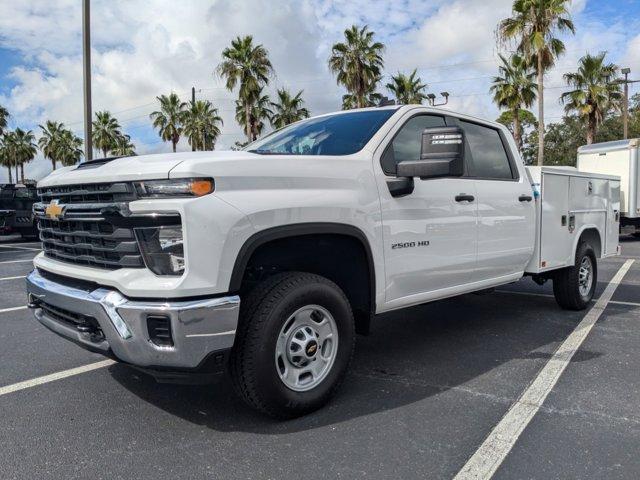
<point>427,388</point>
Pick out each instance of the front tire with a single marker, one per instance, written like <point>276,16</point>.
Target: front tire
<point>574,286</point>
<point>294,344</point>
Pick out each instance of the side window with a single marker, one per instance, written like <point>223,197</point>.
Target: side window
<point>407,142</point>
<point>488,157</point>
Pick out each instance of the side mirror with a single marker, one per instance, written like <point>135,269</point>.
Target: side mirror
<point>441,155</point>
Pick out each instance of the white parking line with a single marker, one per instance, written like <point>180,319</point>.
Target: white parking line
<point>20,248</point>
<point>13,278</point>
<point>54,376</point>
<point>486,460</point>
<point>12,309</point>
<point>533,294</point>
<point>15,252</point>
<point>20,244</point>
<point>629,304</point>
<point>18,261</point>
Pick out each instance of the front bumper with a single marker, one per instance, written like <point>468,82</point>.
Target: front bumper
<point>199,328</point>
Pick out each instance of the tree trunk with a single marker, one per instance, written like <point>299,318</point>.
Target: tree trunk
<point>247,119</point>
<point>22,173</point>
<point>53,162</point>
<point>174,142</point>
<point>17,177</point>
<point>591,130</point>
<point>10,176</point>
<point>104,153</point>
<point>517,131</point>
<point>540,111</point>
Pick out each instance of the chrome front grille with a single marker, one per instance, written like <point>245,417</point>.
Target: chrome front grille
<point>82,234</point>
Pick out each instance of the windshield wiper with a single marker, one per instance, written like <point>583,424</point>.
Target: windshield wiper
<point>268,152</point>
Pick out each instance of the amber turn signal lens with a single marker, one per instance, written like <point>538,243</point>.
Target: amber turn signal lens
<point>201,187</point>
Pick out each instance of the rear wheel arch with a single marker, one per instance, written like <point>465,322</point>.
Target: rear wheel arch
<point>590,235</point>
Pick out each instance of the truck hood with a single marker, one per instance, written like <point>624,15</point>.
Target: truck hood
<point>224,166</point>
<point>144,167</point>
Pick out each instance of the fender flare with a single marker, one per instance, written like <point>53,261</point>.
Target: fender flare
<point>276,233</point>
<point>584,228</point>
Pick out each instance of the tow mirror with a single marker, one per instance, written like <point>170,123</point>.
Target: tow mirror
<point>441,155</point>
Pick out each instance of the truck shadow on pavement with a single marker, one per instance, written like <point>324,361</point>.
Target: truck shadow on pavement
<point>491,345</point>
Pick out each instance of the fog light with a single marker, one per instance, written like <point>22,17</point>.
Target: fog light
<point>162,249</point>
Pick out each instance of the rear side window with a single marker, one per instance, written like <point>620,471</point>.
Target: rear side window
<point>408,141</point>
<point>486,156</point>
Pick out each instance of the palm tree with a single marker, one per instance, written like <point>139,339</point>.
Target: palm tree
<point>22,145</point>
<point>5,156</point>
<point>249,66</point>
<point>514,89</point>
<point>288,109</point>
<point>105,131</point>
<point>168,120</point>
<point>123,146</point>
<point>48,141</point>
<point>4,117</point>
<point>593,95</point>
<point>351,100</point>
<point>202,125</point>
<point>258,113</point>
<point>534,25</point>
<point>357,63</point>
<point>69,148</point>
<point>407,89</point>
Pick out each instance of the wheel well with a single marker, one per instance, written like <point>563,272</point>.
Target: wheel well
<point>342,258</point>
<point>592,237</point>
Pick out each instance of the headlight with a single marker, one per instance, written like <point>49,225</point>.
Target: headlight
<point>181,187</point>
<point>162,249</point>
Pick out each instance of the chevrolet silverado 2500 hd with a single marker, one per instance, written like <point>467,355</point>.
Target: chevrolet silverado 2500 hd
<point>267,261</point>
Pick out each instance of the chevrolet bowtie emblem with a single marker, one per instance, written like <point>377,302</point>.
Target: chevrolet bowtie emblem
<point>53,210</point>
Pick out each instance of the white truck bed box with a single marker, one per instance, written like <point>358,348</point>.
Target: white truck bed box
<point>567,203</point>
<point>616,158</point>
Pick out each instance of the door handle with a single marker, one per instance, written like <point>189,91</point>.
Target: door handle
<point>525,198</point>
<point>463,197</point>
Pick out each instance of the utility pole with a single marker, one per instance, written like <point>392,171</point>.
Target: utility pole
<point>625,107</point>
<point>86,78</point>
<point>193,102</point>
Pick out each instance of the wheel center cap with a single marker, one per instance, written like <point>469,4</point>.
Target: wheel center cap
<point>311,348</point>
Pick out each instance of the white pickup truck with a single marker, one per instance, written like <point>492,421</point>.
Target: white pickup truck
<point>266,262</point>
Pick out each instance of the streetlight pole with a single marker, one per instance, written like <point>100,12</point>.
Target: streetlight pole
<point>625,106</point>
<point>86,78</point>
<point>193,102</point>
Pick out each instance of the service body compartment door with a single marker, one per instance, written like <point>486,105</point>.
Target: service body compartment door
<point>613,219</point>
<point>555,238</point>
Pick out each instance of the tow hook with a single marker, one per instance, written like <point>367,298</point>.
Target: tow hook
<point>33,302</point>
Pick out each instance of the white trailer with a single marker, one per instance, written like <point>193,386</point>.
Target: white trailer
<point>617,158</point>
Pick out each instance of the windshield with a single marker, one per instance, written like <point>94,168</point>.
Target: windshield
<point>339,134</point>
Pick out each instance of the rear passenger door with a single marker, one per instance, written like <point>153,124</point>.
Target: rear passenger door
<point>506,209</point>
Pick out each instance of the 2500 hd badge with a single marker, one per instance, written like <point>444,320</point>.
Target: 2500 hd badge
<point>421,243</point>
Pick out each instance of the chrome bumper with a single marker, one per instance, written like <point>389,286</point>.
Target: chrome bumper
<point>198,327</point>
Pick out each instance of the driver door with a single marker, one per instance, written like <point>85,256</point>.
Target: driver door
<point>430,235</point>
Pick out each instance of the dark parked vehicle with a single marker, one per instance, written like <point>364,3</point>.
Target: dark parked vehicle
<point>16,209</point>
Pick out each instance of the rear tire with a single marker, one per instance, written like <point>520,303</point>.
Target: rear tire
<point>574,286</point>
<point>295,341</point>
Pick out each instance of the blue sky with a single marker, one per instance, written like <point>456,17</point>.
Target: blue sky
<point>143,48</point>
